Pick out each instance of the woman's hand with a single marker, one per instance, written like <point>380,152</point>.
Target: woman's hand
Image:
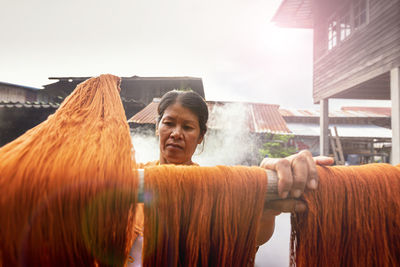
<point>296,173</point>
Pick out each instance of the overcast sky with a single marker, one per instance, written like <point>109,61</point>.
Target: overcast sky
<point>231,45</point>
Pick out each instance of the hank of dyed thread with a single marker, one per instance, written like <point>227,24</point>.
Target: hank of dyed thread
<point>68,186</point>
<point>202,216</point>
<point>353,219</point>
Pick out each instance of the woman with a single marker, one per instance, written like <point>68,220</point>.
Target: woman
<point>181,126</point>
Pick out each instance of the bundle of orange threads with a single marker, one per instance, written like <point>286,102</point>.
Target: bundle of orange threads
<point>68,186</point>
<point>202,216</point>
<point>68,192</point>
<point>353,219</point>
<point>68,189</point>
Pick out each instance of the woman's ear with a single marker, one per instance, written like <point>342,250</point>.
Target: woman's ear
<point>200,139</point>
<point>157,134</point>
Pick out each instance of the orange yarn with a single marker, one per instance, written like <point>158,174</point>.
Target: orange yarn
<point>353,219</point>
<point>202,216</point>
<point>67,186</point>
<point>68,192</point>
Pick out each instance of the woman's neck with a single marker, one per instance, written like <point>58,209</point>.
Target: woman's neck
<point>165,161</point>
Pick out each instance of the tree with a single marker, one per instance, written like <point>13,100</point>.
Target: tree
<point>278,146</point>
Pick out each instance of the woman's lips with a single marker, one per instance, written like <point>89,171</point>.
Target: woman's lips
<point>174,146</point>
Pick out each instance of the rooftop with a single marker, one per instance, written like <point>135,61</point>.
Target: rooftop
<point>258,118</point>
<point>294,14</point>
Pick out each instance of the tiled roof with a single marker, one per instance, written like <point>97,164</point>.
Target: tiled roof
<point>259,118</point>
<point>27,104</point>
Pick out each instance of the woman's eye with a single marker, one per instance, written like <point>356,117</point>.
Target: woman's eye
<point>187,127</point>
<point>168,123</point>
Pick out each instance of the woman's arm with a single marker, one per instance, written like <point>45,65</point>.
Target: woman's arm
<point>266,226</point>
<point>296,173</point>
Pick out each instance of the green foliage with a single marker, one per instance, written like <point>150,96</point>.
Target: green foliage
<point>277,146</point>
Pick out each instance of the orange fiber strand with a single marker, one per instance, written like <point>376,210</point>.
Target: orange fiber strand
<point>202,216</point>
<point>68,186</point>
<point>353,219</point>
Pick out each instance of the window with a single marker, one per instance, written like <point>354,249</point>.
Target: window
<point>332,35</point>
<point>348,19</point>
<point>345,26</point>
<point>359,13</point>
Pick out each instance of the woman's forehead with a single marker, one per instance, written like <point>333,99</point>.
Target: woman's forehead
<point>177,111</point>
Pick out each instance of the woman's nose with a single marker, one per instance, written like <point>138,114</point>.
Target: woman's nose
<point>176,132</point>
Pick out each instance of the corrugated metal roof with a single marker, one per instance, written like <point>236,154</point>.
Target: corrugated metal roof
<point>298,113</point>
<point>27,104</point>
<point>268,119</point>
<point>148,115</point>
<point>19,86</point>
<point>348,112</point>
<point>344,130</point>
<point>382,111</point>
<point>179,78</point>
<point>259,118</point>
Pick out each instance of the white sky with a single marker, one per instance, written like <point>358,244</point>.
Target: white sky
<point>231,45</point>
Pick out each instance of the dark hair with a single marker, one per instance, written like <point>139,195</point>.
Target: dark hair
<point>188,99</point>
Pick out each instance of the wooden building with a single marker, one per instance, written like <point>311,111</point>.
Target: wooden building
<point>136,92</point>
<point>356,53</point>
<point>21,108</point>
<point>17,93</point>
<point>363,133</point>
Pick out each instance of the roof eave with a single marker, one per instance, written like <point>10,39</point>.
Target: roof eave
<point>300,18</point>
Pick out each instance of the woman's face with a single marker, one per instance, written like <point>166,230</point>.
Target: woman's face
<point>179,132</point>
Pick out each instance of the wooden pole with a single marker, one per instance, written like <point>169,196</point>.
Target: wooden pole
<point>272,187</point>
<point>324,126</point>
<point>395,98</point>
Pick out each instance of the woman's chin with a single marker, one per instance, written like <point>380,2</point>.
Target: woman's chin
<point>177,161</point>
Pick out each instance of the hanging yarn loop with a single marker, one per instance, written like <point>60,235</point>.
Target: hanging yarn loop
<point>69,186</point>
<point>353,219</point>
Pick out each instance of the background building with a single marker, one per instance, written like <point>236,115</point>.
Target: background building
<point>356,53</point>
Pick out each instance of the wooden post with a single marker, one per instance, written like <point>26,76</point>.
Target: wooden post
<point>336,147</point>
<point>395,97</point>
<point>324,126</point>
<point>271,193</point>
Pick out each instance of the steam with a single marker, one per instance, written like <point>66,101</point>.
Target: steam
<point>145,143</point>
<point>227,141</point>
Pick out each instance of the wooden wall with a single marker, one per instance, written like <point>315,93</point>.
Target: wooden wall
<point>141,89</point>
<point>144,90</point>
<point>369,52</point>
<point>15,94</point>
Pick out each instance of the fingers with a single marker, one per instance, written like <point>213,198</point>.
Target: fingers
<point>287,205</point>
<point>301,173</point>
<point>313,179</point>
<point>296,172</point>
<point>284,172</point>
<point>322,160</point>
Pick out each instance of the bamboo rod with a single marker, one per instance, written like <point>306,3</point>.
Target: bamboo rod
<point>272,187</point>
